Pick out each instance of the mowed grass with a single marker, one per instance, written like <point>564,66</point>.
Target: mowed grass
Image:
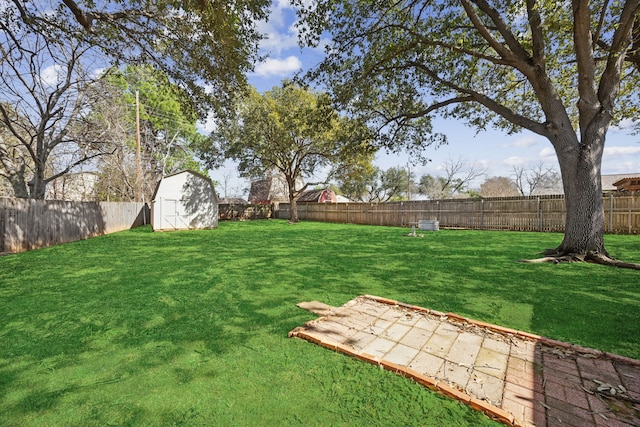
<point>190,328</point>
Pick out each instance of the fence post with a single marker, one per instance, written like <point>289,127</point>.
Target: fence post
<point>481,214</point>
<point>631,203</point>
<point>610,212</point>
<point>370,213</point>
<point>539,213</point>
<point>3,231</point>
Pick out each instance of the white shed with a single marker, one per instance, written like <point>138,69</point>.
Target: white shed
<point>184,200</point>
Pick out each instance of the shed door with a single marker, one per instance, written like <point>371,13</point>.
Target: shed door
<point>173,215</point>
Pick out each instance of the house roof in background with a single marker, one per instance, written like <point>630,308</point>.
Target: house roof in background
<point>310,196</point>
<point>342,199</point>
<point>609,180</point>
<point>260,190</point>
<point>232,201</point>
<point>268,190</point>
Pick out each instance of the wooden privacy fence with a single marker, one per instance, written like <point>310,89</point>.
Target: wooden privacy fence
<point>234,211</point>
<point>535,213</point>
<point>30,224</point>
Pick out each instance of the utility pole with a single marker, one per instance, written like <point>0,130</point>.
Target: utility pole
<point>408,180</point>
<point>138,155</point>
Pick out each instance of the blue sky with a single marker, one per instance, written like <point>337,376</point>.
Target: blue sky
<point>494,150</point>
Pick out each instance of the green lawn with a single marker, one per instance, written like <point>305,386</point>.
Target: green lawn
<point>190,328</point>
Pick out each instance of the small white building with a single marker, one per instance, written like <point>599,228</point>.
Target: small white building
<point>184,201</point>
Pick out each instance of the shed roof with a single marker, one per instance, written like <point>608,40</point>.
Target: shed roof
<point>192,172</point>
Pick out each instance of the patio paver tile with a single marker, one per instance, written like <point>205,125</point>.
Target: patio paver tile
<point>379,347</point>
<point>440,343</point>
<point>401,354</point>
<point>416,338</point>
<point>492,362</point>
<point>396,331</point>
<point>427,364</point>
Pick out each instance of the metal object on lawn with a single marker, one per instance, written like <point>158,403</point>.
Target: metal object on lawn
<point>429,224</point>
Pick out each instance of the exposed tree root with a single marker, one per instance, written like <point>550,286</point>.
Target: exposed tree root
<point>597,258</point>
<point>553,259</point>
<point>552,255</point>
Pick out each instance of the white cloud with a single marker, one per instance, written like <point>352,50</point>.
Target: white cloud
<point>617,167</point>
<point>281,33</point>
<point>208,125</point>
<point>278,9</point>
<point>516,161</point>
<point>276,41</point>
<point>52,74</point>
<point>98,72</point>
<point>547,152</point>
<point>278,67</point>
<point>621,151</point>
<point>524,142</point>
<point>621,159</point>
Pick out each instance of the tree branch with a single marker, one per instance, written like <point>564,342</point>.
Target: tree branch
<point>484,32</point>
<point>537,36</point>
<point>423,39</point>
<point>86,18</point>
<point>603,14</point>
<point>496,107</point>
<point>76,163</point>
<point>431,108</point>
<point>588,101</point>
<point>83,19</point>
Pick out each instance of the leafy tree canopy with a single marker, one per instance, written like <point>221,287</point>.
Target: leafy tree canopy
<point>167,116</point>
<point>168,131</point>
<point>471,60</point>
<point>206,46</point>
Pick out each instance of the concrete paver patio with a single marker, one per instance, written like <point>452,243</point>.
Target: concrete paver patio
<point>515,377</point>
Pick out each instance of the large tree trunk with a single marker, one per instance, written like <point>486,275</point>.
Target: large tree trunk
<point>17,179</point>
<point>293,210</point>
<point>38,185</point>
<point>584,221</point>
<point>293,206</point>
<point>19,186</point>
<point>580,165</point>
